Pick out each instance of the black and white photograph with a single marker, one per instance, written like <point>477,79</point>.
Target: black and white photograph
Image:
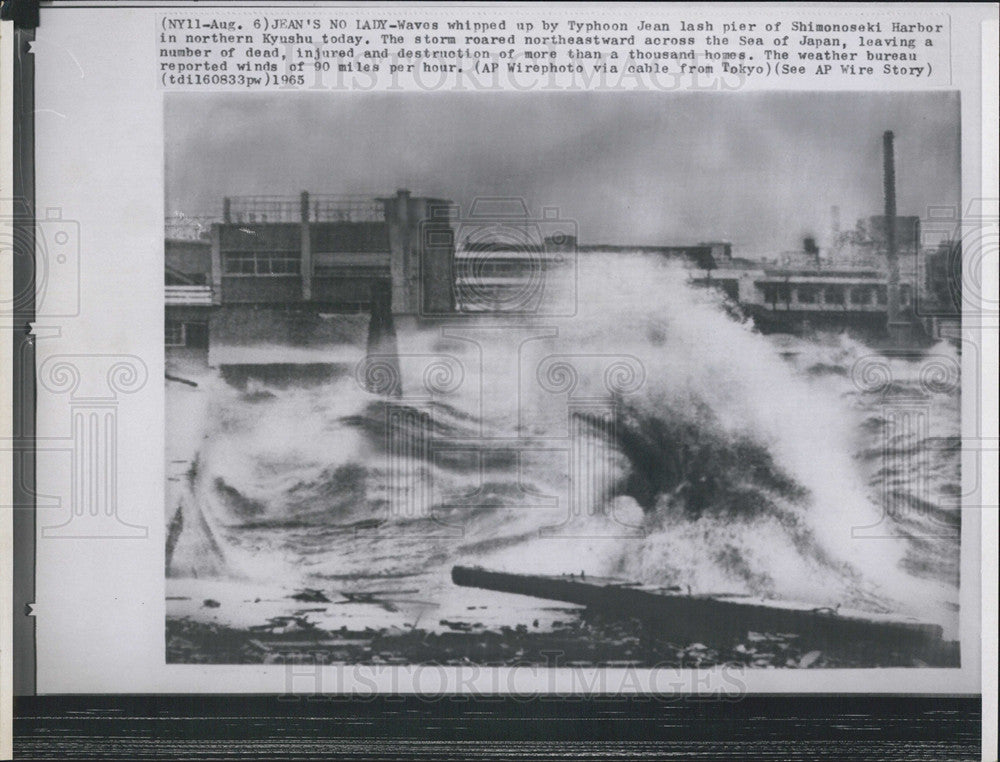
<point>565,380</point>
<point>499,381</point>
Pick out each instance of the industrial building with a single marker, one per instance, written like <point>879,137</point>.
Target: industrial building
<point>877,278</point>
<point>278,277</point>
<point>276,273</point>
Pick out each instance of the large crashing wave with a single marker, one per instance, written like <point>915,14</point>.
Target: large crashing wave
<point>744,463</point>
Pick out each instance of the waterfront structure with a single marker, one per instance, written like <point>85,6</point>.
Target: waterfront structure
<point>331,251</point>
<point>187,293</point>
<point>277,277</point>
<point>279,273</point>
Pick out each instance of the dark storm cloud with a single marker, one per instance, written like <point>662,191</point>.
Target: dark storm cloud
<point>759,169</point>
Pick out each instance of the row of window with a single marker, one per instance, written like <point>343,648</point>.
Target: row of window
<point>490,268</point>
<point>279,263</point>
<point>178,333</point>
<point>858,295</point>
<point>262,263</point>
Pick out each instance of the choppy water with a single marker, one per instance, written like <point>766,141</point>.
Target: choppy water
<point>812,469</point>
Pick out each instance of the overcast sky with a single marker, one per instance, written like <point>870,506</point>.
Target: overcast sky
<point>759,169</point>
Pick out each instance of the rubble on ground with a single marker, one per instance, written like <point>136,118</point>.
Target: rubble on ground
<point>587,641</point>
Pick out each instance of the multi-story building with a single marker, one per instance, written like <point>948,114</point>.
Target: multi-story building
<point>278,273</point>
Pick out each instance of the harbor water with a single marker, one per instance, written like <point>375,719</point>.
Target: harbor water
<point>810,468</point>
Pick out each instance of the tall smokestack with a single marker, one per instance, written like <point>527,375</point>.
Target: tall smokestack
<point>892,256</point>
<point>889,181</point>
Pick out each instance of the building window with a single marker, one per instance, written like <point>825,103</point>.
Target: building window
<point>861,295</point>
<point>905,295</point>
<point>174,334</point>
<point>834,295</point>
<point>882,295</point>
<point>262,263</point>
<point>806,294</point>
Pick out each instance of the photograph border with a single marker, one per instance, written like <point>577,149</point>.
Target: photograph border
<point>134,726</point>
